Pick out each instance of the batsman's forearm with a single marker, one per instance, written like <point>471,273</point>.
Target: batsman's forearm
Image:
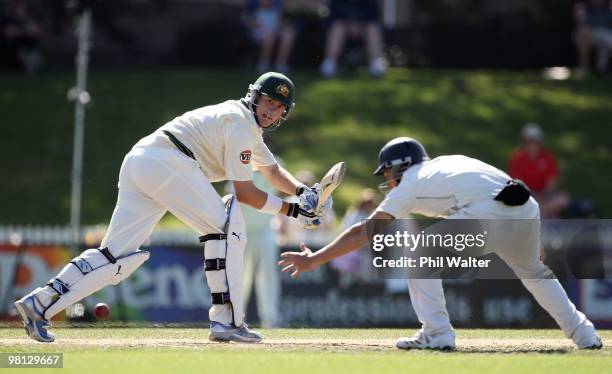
<point>257,199</point>
<point>280,179</point>
<point>286,182</point>
<point>351,239</point>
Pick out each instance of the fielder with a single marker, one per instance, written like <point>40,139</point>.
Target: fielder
<point>172,170</point>
<point>455,187</point>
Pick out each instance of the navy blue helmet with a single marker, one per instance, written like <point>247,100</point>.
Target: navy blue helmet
<point>399,154</point>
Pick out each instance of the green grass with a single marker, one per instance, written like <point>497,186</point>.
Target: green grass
<point>478,113</point>
<point>324,355</point>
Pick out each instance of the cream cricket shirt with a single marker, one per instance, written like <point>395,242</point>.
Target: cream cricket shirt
<point>440,187</point>
<point>224,138</point>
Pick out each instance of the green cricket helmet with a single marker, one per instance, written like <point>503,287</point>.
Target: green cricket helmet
<point>276,86</point>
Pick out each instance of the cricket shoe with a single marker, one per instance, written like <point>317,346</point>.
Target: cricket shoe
<point>585,337</point>
<point>440,342</point>
<point>33,321</point>
<point>223,333</point>
<point>596,344</point>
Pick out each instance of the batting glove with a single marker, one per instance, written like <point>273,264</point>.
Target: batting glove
<point>310,198</point>
<point>308,202</point>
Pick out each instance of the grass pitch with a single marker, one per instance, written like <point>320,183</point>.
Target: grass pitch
<point>137,350</point>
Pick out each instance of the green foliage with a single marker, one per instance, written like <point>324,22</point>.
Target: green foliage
<point>477,113</point>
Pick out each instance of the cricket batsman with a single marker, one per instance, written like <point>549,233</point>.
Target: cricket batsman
<point>172,170</point>
<point>455,187</point>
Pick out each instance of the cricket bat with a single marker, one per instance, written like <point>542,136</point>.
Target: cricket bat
<point>329,183</point>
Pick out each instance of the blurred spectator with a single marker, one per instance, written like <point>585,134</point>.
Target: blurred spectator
<point>536,166</point>
<point>581,208</point>
<point>57,15</point>
<point>291,231</point>
<point>21,37</point>
<point>264,20</point>
<point>355,18</point>
<point>356,262</point>
<point>593,29</point>
<point>105,17</point>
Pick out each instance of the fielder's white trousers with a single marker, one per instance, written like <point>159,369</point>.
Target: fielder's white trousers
<point>260,270</point>
<point>521,253</point>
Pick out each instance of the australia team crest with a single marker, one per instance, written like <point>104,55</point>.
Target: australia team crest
<point>283,90</point>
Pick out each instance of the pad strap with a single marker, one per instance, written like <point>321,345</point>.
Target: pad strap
<point>109,256</point>
<point>58,286</point>
<point>214,264</point>
<point>220,298</point>
<point>208,237</point>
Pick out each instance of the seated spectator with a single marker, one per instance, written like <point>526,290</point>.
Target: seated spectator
<point>264,20</point>
<point>21,36</point>
<point>355,18</point>
<point>593,29</point>
<point>536,166</point>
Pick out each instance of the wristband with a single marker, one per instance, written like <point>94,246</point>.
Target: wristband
<point>273,205</point>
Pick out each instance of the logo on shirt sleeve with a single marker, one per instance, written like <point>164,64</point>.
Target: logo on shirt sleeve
<point>245,156</point>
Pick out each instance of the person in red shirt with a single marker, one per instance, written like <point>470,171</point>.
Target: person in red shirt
<point>536,166</point>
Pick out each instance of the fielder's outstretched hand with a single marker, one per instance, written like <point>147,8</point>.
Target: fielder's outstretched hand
<point>298,262</point>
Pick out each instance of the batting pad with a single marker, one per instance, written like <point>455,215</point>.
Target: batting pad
<point>225,268</point>
<point>89,273</point>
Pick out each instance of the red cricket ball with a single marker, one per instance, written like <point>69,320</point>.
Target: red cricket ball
<point>101,311</point>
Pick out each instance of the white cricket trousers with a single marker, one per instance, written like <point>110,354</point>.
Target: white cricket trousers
<point>152,181</point>
<point>521,253</point>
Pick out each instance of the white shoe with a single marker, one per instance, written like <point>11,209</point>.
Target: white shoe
<point>585,337</point>
<point>441,342</point>
<point>33,321</point>
<point>595,344</point>
<point>223,333</point>
<point>245,335</point>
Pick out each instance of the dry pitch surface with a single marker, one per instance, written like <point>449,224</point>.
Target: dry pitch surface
<point>466,345</point>
<point>312,340</point>
<point>157,349</point>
